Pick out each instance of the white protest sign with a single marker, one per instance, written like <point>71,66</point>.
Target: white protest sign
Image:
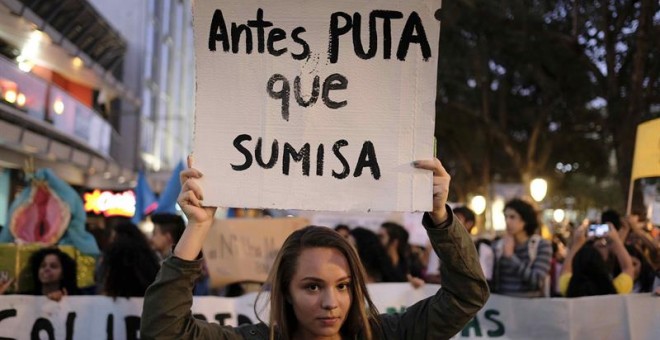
<point>315,104</point>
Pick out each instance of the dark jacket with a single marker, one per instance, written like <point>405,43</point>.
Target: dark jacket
<point>166,313</point>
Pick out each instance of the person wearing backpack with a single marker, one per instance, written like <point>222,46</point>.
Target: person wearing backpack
<point>522,257</point>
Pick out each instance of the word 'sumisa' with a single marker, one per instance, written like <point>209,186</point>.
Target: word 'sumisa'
<point>366,159</point>
<point>341,23</point>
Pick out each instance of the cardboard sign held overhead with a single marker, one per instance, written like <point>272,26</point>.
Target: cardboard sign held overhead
<point>317,105</point>
<point>646,160</point>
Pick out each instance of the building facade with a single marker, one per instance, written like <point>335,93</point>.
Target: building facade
<point>95,90</point>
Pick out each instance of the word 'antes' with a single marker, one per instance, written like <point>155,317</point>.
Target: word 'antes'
<point>367,157</point>
<point>274,39</point>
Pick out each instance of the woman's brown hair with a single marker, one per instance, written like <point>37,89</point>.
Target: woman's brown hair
<point>362,317</point>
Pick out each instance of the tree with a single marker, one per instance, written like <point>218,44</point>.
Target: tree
<point>613,40</point>
<point>511,105</point>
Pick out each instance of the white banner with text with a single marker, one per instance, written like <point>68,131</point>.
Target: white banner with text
<point>632,316</point>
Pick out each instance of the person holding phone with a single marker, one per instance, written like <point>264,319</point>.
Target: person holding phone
<point>585,272</point>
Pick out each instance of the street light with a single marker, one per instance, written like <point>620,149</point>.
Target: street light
<point>558,215</point>
<point>478,204</point>
<point>538,188</point>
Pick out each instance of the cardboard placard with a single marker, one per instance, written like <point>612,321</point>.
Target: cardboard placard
<point>646,161</point>
<point>315,105</point>
<point>243,249</point>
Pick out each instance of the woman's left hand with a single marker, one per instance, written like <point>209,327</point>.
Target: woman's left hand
<point>441,181</point>
<point>4,285</point>
<point>415,281</point>
<point>57,295</point>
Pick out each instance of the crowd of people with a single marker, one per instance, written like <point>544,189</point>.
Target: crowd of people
<point>128,264</point>
<point>615,255</point>
<point>518,263</point>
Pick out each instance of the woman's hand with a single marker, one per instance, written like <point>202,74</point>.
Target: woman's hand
<point>613,235</point>
<point>580,235</point>
<point>4,284</point>
<point>57,295</point>
<point>191,197</point>
<point>441,181</point>
<point>415,281</point>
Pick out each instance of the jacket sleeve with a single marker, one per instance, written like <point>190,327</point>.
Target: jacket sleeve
<point>166,311</point>
<point>464,289</point>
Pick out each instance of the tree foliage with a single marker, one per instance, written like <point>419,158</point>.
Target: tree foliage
<point>523,89</point>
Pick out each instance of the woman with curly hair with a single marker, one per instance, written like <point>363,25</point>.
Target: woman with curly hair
<point>128,265</point>
<point>53,274</point>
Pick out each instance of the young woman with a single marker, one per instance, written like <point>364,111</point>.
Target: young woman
<point>522,257</point>
<point>53,274</point>
<point>643,272</point>
<point>317,284</point>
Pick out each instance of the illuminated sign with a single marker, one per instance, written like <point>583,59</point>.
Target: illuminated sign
<point>110,204</point>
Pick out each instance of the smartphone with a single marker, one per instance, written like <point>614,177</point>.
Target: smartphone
<point>598,230</point>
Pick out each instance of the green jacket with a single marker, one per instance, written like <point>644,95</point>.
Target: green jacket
<point>166,312</point>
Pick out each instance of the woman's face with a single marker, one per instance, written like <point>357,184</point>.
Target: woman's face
<point>320,293</point>
<point>50,270</point>
<point>514,222</point>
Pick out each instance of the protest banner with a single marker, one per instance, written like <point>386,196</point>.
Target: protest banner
<point>632,316</point>
<point>316,105</point>
<point>243,249</point>
<point>646,161</point>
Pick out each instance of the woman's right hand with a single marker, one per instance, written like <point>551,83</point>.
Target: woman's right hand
<point>191,197</point>
<point>57,295</point>
<point>4,284</point>
<point>580,235</point>
<point>613,235</point>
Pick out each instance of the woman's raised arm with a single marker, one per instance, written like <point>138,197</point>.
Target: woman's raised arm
<point>200,218</point>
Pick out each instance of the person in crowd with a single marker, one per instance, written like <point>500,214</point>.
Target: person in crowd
<point>613,217</point>
<point>559,251</point>
<point>468,219</point>
<point>395,238</point>
<point>343,230</point>
<point>486,256</point>
<point>585,272</point>
<point>128,265</point>
<point>317,286</point>
<point>374,257</point>
<point>522,257</point>
<point>643,274</point>
<point>168,229</point>
<point>53,274</point>
<point>634,233</point>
